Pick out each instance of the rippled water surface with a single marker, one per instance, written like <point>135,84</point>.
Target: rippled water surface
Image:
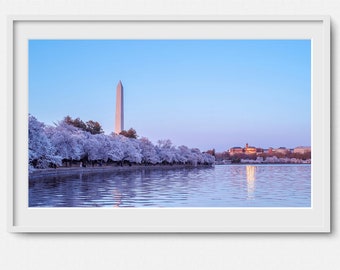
<point>219,186</point>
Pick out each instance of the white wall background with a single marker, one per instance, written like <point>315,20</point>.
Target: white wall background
<point>178,251</point>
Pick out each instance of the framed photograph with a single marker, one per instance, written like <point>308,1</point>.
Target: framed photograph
<point>183,124</point>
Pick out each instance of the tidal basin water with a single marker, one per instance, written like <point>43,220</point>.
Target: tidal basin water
<point>218,186</point>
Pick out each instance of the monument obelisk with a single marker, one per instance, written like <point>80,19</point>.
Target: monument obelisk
<point>119,123</point>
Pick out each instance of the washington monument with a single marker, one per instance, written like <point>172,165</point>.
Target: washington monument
<point>119,123</point>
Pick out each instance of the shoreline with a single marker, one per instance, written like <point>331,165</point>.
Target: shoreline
<point>39,173</point>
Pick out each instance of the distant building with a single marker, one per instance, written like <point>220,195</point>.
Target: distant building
<point>249,150</point>
<point>302,149</point>
<point>235,150</point>
<point>281,150</point>
<point>259,151</point>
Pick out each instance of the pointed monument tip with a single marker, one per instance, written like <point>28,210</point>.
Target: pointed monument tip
<point>120,85</point>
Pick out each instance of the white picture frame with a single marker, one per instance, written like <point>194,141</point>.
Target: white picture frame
<point>21,218</point>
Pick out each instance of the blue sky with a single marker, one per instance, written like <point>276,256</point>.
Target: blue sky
<point>200,93</point>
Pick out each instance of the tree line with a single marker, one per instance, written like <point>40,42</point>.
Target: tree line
<point>72,140</point>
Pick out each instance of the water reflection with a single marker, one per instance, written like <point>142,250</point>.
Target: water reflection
<point>251,177</point>
<point>117,197</point>
<point>221,186</point>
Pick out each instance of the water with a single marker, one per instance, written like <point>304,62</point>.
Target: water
<point>219,186</point>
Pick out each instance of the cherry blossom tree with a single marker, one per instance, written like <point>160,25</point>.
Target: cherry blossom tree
<point>148,151</point>
<point>68,141</point>
<point>115,151</point>
<point>41,153</point>
<point>166,151</point>
<point>183,154</point>
<point>132,151</point>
